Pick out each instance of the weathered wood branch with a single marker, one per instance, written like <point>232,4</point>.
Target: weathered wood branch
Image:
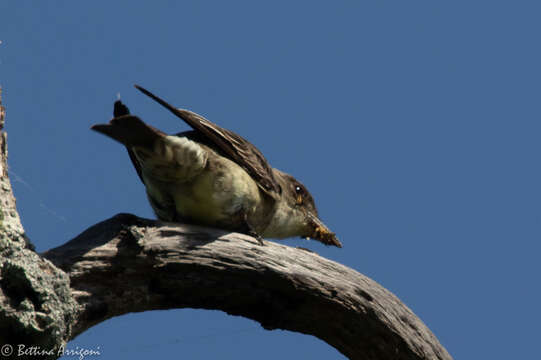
<point>128,264</point>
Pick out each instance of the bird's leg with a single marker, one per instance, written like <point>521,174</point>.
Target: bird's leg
<point>253,233</point>
<point>249,229</point>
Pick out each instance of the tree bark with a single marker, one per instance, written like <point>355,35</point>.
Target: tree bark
<point>129,264</point>
<point>36,304</point>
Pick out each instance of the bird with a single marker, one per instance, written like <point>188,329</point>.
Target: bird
<point>211,176</point>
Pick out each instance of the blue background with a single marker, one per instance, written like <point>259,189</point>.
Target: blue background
<point>414,124</point>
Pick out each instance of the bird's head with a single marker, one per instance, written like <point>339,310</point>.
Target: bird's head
<point>296,213</point>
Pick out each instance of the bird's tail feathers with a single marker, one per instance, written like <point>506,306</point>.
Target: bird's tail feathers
<point>130,131</point>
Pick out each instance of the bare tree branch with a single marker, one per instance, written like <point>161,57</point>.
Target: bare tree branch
<point>128,264</point>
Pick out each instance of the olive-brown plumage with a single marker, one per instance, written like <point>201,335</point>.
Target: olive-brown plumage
<point>214,177</point>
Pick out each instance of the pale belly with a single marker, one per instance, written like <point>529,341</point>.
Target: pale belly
<point>215,197</point>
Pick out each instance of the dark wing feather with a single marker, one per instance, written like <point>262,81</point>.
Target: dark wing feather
<point>119,110</point>
<point>136,164</point>
<point>234,146</point>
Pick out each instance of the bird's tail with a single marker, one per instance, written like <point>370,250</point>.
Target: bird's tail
<point>154,153</point>
<point>128,129</point>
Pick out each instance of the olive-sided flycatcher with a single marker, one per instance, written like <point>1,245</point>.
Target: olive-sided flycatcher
<point>211,176</point>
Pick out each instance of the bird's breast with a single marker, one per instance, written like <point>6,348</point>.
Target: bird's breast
<point>214,197</point>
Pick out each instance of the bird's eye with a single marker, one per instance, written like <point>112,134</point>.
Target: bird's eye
<point>300,192</point>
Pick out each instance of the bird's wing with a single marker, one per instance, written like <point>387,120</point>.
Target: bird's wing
<point>119,110</point>
<point>136,164</point>
<point>238,149</point>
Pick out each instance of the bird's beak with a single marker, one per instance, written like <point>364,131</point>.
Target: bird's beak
<point>321,232</point>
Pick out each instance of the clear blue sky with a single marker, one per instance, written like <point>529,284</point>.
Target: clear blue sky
<point>416,126</point>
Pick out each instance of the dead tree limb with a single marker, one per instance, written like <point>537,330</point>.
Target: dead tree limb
<point>36,305</point>
<point>129,264</point>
